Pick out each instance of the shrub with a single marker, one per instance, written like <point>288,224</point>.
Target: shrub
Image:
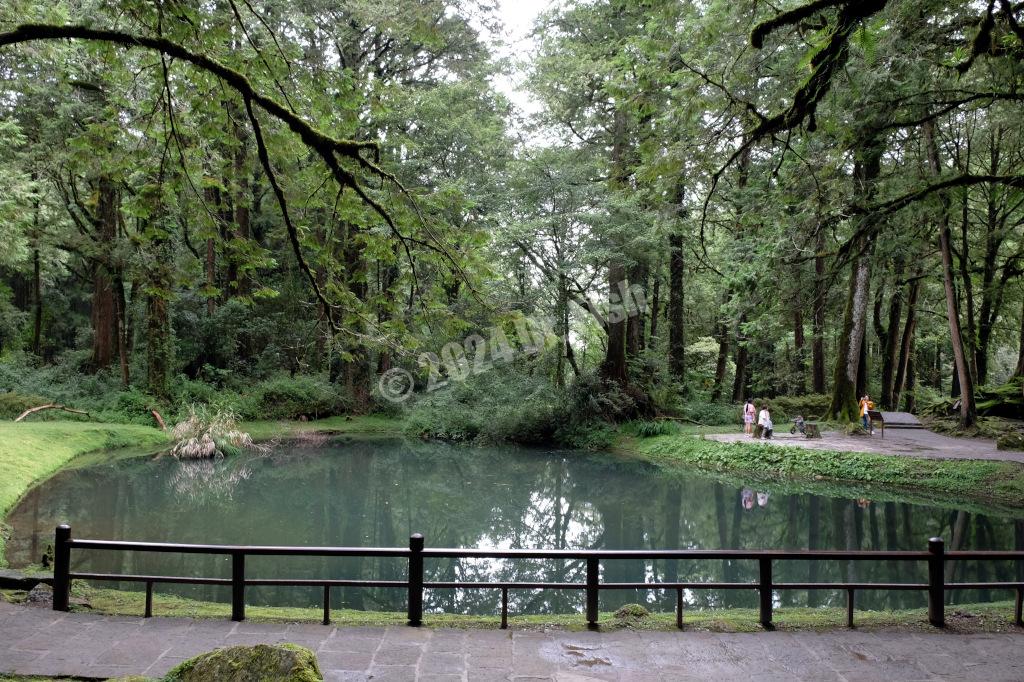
<point>294,397</point>
<point>12,404</point>
<point>490,409</point>
<point>711,414</point>
<point>812,406</point>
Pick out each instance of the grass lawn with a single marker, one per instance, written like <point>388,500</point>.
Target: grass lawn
<point>961,482</point>
<point>372,423</point>
<point>31,451</point>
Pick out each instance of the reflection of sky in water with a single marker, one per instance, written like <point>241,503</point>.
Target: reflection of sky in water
<point>375,493</point>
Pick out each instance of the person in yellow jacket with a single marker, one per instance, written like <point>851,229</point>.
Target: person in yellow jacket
<point>865,406</point>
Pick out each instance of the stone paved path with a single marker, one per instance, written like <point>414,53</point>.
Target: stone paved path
<point>36,641</point>
<point>913,442</point>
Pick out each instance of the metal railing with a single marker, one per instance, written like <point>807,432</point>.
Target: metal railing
<point>935,557</point>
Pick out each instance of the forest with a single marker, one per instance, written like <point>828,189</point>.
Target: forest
<point>301,209</point>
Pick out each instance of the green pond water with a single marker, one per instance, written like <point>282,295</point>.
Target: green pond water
<point>376,492</point>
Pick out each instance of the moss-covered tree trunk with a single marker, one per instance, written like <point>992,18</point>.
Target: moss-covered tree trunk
<point>843,406</point>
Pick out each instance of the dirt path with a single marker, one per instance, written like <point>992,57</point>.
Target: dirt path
<point>912,442</point>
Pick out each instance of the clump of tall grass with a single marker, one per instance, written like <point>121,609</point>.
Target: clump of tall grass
<point>208,432</point>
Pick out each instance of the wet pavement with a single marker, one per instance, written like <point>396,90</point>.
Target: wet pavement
<point>37,641</point>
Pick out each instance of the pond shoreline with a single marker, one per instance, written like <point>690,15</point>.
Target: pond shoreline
<point>974,485</point>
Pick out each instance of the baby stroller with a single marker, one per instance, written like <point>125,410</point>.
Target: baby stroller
<point>798,425</point>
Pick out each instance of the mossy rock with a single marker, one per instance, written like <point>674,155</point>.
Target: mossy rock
<point>631,613</point>
<point>1011,441</point>
<point>260,663</point>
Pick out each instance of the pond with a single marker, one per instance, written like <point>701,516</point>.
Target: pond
<point>375,492</point>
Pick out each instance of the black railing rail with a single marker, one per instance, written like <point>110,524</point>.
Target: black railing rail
<point>415,582</point>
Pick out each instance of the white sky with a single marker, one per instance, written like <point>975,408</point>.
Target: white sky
<point>518,17</point>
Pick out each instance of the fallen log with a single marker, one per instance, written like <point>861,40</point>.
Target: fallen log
<point>49,406</point>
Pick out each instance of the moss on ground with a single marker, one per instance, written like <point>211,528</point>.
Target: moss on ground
<point>963,483</point>
<point>990,617</point>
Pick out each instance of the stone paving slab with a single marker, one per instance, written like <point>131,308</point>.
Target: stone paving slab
<point>35,641</point>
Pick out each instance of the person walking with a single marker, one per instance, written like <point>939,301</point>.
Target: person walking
<point>764,422</point>
<point>865,407</point>
<point>748,417</point>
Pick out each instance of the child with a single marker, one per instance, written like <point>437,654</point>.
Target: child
<point>748,417</point>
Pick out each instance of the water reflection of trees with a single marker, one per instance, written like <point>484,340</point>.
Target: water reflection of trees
<point>377,493</point>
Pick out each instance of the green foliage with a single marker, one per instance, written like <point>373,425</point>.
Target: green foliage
<point>493,407</point>
<point>650,428</point>
<point>812,407</point>
<point>12,404</point>
<point>293,397</point>
<point>710,414</point>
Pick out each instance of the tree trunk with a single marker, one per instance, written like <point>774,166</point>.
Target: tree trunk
<point>37,304</point>
<point>635,320</point>
<point>799,351</point>
<point>843,406</point>
<point>722,334</point>
<point>211,277</point>
<point>1019,371</point>
<point>906,346</point>
<point>970,334</point>
<point>968,413</point>
<point>818,330</point>
<point>655,306</point>
<point>676,332</point>
<point>614,367</point>
<point>844,377</point>
<point>739,383</point>
<point>891,347</point>
<point>122,342</point>
<point>104,321</point>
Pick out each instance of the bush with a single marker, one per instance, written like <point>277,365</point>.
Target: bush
<point>812,407</point>
<point>711,414</point>
<point>489,409</point>
<point>292,398</point>
<point>12,404</point>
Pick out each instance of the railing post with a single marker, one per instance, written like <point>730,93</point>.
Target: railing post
<point>1018,608</point>
<point>504,608</point>
<point>415,579</point>
<point>936,583</point>
<point>149,600</point>
<point>679,608</point>
<point>238,586</point>
<point>62,568</point>
<point>765,588</point>
<point>327,604</point>
<point>593,576</point>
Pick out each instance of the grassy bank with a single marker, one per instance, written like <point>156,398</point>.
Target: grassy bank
<point>967,481</point>
<point>31,451</point>
<point>991,617</point>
